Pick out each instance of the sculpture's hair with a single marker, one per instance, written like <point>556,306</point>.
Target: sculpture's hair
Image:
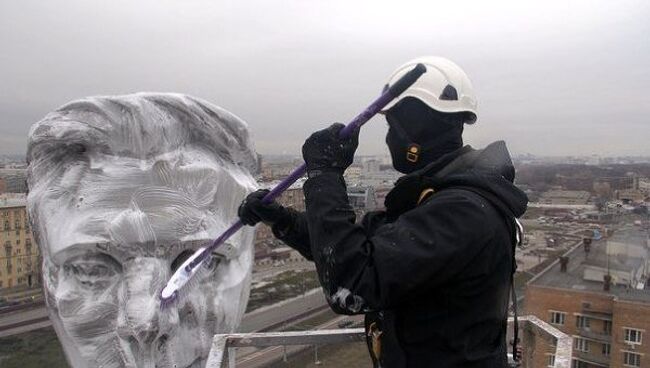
<point>141,125</point>
<point>115,133</point>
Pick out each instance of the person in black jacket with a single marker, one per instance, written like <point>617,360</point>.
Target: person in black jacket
<point>433,272</point>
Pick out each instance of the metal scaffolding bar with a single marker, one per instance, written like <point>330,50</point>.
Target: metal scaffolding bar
<point>223,345</point>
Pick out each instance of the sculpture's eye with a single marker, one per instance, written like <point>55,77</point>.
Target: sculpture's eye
<point>78,148</point>
<point>93,270</point>
<point>214,261</point>
<point>211,263</point>
<point>182,257</point>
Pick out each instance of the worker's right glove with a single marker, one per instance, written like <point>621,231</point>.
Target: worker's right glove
<point>252,210</point>
<point>326,151</point>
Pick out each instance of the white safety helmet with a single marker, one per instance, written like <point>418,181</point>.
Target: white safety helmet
<point>444,87</point>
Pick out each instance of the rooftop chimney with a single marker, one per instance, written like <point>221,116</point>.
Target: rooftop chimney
<point>586,242</point>
<point>564,261</point>
<point>607,279</point>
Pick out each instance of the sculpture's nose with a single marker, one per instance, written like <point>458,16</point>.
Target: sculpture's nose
<point>141,321</point>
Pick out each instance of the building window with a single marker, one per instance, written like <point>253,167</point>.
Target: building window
<point>579,364</point>
<point>631,359</point>
<point>550,360</point>
<point>632,336</point>
<point>581,344</point>
<point>607,327</point>
<point>607,349</point>
<point>582,322</point>
<point>8,257</point>
<point>557,318</point>
<point>6,225</point>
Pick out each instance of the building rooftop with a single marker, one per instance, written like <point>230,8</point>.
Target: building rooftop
<point>631,235</point>
<point>9,200</point>
<point>577,194</point>
<point>585,271</point>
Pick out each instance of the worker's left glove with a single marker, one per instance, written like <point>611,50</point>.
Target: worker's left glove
<point>253,210</point>
<point>324,151</point>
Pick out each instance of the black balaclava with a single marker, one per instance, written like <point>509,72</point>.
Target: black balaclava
<point>418,135</point>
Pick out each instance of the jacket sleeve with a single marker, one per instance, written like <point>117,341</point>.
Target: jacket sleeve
<point>294,233</point>
<point>424,248</point>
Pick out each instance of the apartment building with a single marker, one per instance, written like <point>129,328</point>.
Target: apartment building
<point>565,197</point>
<point>19,254</point>
<point>15,180</point>
<point>597,293</point>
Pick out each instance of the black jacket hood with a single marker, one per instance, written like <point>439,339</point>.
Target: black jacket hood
<point>488,169</point>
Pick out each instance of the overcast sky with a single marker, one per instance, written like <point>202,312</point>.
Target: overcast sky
<point>552,77</point>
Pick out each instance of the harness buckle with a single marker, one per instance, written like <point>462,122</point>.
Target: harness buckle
<point>375,340</point>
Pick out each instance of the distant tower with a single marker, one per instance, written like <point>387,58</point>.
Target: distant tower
<point>371,166</point>
<point>259,162</point>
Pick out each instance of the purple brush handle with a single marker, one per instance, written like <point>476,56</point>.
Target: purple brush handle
<point>387,96</point>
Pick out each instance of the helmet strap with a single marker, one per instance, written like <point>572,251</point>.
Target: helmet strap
<point>413,153</point>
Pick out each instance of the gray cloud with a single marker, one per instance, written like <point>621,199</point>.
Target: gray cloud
<point>553,77</point>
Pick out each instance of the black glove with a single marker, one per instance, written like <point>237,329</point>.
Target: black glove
<point>325,151</point>
<point>252,210</point>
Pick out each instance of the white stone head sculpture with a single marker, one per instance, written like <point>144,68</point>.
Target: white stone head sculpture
<point>122,190</point>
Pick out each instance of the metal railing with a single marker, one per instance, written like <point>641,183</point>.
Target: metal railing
<point>222,351</point>
<point>536,334</point>
<point>531,328</point>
